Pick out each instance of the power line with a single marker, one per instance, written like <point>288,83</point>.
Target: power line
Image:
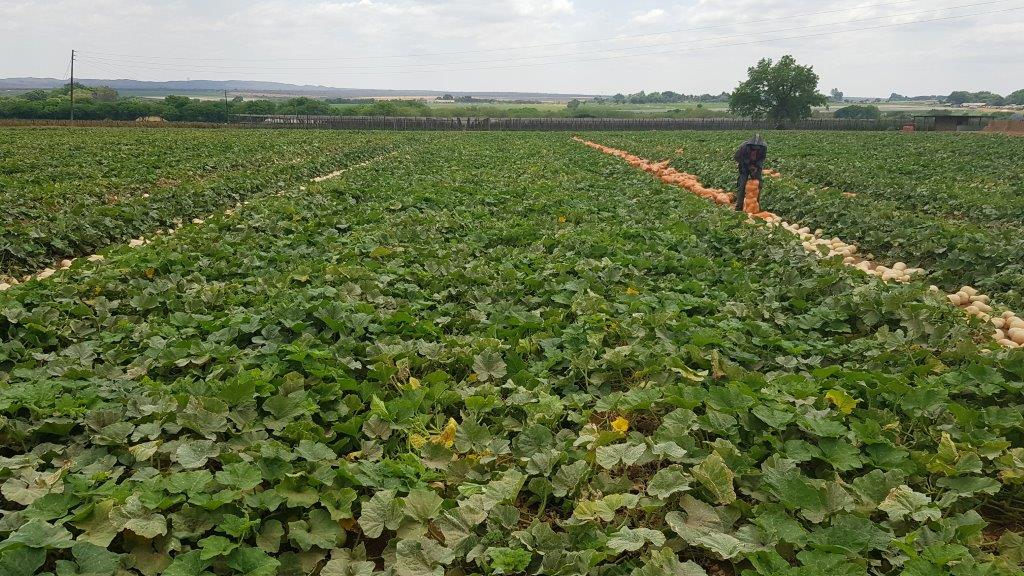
<point>171,67</point>
<point>530,46</point>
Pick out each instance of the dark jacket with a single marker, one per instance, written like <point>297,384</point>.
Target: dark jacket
<point>751,154</point>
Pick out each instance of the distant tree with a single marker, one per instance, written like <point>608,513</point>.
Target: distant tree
<point>837,95</point>
<point>66,89</point>
<point>894,97</point>
<point>619,99</point>
<point>1016,97</point>
<point>304,105</point>
<point>35,95</point>
<point>176,101</point>
<point>958,97</point>
<point>856,111</point>
<point>104,94</point>
<point>573,104</point>
<point>961,96</point>
<point>780,91</point>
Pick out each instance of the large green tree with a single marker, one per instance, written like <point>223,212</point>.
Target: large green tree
<point>778,91</point>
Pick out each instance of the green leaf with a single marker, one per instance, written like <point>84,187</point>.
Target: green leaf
<point>186,564</point>
<point>626,454</point>
<point>195,453</point>
<point>269,538</point>
<point>94,560</point>
<point>696,529</point>
<point>903,501</point>
<point>853,534</point>
<point>505,560</point>
<point>315,451</point>
<point>423,505</point>
<point>631,540</point>
<point>605,508</point>
<point>135,517</point>
<point>214,546</point>
<point>382,511</point>
<point>39,534</point>
<point>664,562</point>
<point>668,481</point>
<point>970,485</point>
<point>489,365</point>
<point>21,561</point>
<point>1011,548</point>
<point>773,417</point>
<point>192,482</point>
<point>421,557</point>
<point>241,475</point>
<point>569,477</point>
<point>24,492</point>
<point>248,561</point>
<point>317,531</point>
<point>791,487</point>
<point>344,563</point>
<point>716,477</point>
<point>669,450</point>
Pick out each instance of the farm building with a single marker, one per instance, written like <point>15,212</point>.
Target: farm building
<point>950,123</point>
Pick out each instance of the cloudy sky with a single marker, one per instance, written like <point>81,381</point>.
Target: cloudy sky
<point>865,48</point>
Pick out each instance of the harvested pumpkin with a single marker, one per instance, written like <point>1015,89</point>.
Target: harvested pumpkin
<point>752,197</point>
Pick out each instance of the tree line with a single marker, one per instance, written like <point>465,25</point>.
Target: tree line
<point>985,97</point>
<point>782,90</point>
<point>667,97</point>
<point>102,103</point>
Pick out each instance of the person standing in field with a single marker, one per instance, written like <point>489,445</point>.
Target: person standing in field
<point>749,158</point>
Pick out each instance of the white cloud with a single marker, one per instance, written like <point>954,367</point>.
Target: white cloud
<point>511,45</point>
<point>543,7</point>
<point>652,16</point>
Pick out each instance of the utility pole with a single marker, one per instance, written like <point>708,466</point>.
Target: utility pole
<point>72,85</point>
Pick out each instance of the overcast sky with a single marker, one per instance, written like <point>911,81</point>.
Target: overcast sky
<point>582,46</point>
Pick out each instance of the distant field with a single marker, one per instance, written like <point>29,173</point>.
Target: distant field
<point>432,107</point>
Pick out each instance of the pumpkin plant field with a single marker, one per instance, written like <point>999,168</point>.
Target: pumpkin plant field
<point>952,205</point>
<point>501,353</point>
<point>69,193</point>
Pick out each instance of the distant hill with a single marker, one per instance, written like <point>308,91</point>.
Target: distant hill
<point>184,87</point>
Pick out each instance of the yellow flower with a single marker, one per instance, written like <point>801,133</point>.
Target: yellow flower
<point>447,436</point>
<point>620,425</point>
<point>417,441</point>
<point>632,291</point>
<point>561,219</point>
<point>414,383</point>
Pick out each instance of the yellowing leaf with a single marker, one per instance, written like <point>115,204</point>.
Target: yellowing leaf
<point>632,291</point>
<point>447,436</point>
<point>842,401</point>
<point>414,383</point>
<point>620,425</point>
